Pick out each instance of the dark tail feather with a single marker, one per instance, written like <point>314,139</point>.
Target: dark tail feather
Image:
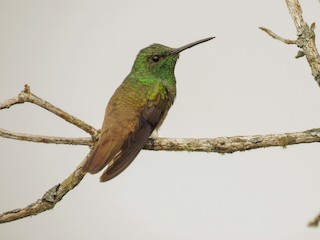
<point>128,152</point>
<point>91,165</point>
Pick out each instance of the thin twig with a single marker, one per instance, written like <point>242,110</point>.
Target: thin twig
<point>219,145</point>
<point>27,96</point>
<point>305,40</point>
<point>233,144</point>
<point>49,199</point>
<point>45,139</point>
<point>275,36</point>
<point>295,11</point>
<point>56,193</point>
<point>315,221</point>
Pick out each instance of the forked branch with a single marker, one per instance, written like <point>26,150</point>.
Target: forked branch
<point>219,145</point>
<point>49,199</point>
<point>305,40</point>
<point>27,96</point>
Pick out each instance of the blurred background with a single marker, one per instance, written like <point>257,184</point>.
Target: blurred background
<point>74,54</point>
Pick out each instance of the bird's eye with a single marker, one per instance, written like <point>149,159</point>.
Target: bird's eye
<point>155,58</point>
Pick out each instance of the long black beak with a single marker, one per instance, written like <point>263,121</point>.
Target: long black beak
<point>190,45</point>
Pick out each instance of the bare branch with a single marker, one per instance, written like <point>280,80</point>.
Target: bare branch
<point>27,96</point>
<point>56,193</point>
<point>45,139</point>
<point>49,199</point>
<point>315,221</point>
<point>305,40</point>
<point>296,13</point>
<point>219,145</point>
<point>275,36</point>
<point>233,144</point>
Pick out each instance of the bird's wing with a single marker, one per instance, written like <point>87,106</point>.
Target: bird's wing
<point>149,117</point>
<point>107,147</point>
<point>124,133</point>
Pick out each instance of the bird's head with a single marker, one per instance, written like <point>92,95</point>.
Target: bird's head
<point>159,61</point>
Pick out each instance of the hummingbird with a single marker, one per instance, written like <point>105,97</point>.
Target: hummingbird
<point>136,110</point>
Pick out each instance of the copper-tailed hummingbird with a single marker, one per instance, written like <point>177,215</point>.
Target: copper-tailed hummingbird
<point>136,109</point>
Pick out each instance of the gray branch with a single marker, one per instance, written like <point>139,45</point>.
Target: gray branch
<point>56,193</point>
<point>305,40</point>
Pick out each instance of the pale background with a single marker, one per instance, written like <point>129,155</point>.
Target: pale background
<point>75,53</point>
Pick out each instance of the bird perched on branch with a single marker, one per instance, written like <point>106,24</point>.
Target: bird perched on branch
<point>136,109</point>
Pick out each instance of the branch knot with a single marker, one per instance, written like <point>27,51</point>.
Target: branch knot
<point>305,34</point>
<point>50,195</point>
